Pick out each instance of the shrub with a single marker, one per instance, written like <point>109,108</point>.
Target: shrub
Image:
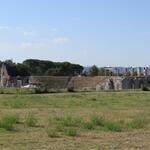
<point>41,90</point>
<point>145,89</point>
<point>71,132</point>
<point>70,89</point>
<point>30,120</point>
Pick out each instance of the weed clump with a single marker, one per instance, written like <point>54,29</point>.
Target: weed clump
<point>30,120</point>
<point>71,132</point>
<point>137,123</point>
<point>107,124</point>
<point>66,121</point>
<point>97,121</point>
<point>70,121</point>
<point>52,133</point>
<point>88,125</point>
<point>113,126</point>
<point>7,122</point>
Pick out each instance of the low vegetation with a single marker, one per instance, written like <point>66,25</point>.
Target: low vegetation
<point>30,120</point>
<point>7,122</point>
<point>62,120</point>
<point>71,132</point>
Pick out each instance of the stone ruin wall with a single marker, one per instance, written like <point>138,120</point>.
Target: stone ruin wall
<point>120,83</point>
<point>97,83</point>
<point>79,82</point>
<point>53,82</point>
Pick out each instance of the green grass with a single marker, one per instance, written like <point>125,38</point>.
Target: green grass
<point>113,126</point>
<point>98,120</point>
<point>15,104</point>
<point>52,133</point>
<point>88,125</point>
<point>7,122</point>
<point>30,120</point>
<point>82,121</point>
<point>137,123</point>
<point>71,132</point>
<point>66,121</point>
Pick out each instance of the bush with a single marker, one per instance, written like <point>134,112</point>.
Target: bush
<point>30,120</point>
<point>70,89</point>
<point>41,90</point>
<point>145,89</point>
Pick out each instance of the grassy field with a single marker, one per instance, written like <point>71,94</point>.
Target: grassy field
<point>75,121</point>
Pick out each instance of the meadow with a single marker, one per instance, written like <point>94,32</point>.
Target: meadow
<point>75,121</point>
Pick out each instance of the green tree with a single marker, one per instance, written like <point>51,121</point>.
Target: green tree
<point>102,72</point>
<point>93,71</point>
<point>44,67</point>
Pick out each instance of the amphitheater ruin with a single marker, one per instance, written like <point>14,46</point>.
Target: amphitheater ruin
<point>96,83</point>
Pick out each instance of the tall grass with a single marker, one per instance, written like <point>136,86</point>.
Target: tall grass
<point>113,126</point>
<point>66,121</point>
<point>7,122</point>
<point>137,123</point>
<point>18,103</point>
<point>88,125</point>
<point>30,120</point>
<point>71,132</point>
<point>52,133</point>
<point>98,120</point>
<point>14,90</point>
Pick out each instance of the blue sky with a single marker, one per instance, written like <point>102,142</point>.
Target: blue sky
<point>101,32</point>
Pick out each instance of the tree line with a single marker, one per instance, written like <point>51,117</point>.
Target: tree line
<point>95,71</point>
<point>42,67</point>
<point>35,67</point>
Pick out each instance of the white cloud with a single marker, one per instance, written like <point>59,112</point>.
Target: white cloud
<point>54,30</point>
<point>34,45</point>
<point>4,27</point>
<point>27,33</point>
<point>4,45</point>
<point>62,40</point>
